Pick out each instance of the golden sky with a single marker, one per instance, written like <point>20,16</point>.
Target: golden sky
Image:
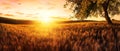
<point>35,8</point>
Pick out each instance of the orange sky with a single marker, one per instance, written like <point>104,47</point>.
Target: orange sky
<point>34,8</point>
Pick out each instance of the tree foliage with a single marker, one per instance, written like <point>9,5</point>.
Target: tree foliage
<point>85,8</point>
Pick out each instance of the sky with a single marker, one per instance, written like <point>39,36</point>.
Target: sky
<point>35,8</point>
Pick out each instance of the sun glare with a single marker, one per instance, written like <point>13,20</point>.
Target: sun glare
<point>45,16</point>
<point>45,19</point>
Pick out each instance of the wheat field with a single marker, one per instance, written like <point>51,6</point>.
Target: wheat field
<point>83,36</point>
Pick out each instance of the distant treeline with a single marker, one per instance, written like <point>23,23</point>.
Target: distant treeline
<point>18,21</point>
<point>14,21</point>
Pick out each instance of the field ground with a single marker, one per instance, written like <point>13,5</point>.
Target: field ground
<point>82,36</point>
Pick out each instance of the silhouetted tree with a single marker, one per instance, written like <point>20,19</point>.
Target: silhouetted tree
<point>86,8</point>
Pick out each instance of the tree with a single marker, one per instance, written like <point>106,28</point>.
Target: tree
<point>87,8</point>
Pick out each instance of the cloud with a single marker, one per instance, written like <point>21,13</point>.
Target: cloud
<point>25,4</point>
<point>26,7</point>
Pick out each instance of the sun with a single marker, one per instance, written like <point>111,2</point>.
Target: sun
<point>45,19</point>
<point>45,16</point>
<point>48,16</point>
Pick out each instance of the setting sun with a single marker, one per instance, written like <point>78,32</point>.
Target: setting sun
<point>45,16</point>
<point>45,19</point>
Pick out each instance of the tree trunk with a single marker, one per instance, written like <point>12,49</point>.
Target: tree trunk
<point>105,7</point>
<point>107,17</point>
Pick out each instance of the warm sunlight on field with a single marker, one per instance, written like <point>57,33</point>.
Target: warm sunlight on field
<point>83,36</point>
<point>59,25</point>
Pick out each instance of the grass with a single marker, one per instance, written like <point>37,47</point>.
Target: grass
<point>80,36</point>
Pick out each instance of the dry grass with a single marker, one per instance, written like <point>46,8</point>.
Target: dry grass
<point>84,36</point>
